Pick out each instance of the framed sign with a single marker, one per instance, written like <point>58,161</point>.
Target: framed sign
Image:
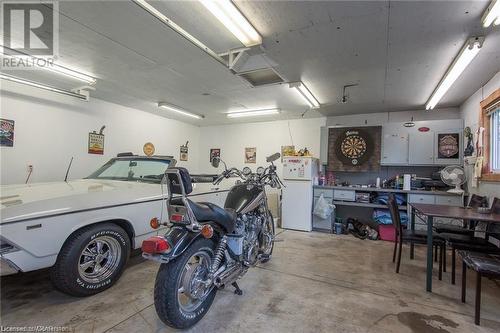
<point>6,132</point>
<point>148,149</point>
<point>251,155</point>
<point>214,152</point>
<point>96,143</point>
<point>183,155</point>
<point>448,145</point>
<point>354,148</point>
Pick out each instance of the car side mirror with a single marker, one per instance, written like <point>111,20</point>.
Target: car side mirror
<point>215,162</point>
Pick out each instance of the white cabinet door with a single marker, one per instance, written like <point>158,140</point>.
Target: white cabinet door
<point>323,148</point>
<point>421,151</point>
<point>394,148</point>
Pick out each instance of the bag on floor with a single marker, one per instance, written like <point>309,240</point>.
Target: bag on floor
<point>323,209</point>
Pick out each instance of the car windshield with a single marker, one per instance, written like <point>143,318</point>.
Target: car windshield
<point>142,170</point>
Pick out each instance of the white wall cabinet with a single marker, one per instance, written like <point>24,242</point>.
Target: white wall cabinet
<point>394,148</point>
<point>421,148</point>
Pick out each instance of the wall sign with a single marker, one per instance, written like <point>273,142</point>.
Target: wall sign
<point>354,148</point>
<point>214,152</point>
<point>148,149</point>
<point>6,132</point>
<point>183,153</point>
<point>448,145</point>
<point>251,155</point>
<point>96,142</point>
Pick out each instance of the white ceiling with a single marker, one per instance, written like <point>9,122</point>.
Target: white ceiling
<point>396,51</point>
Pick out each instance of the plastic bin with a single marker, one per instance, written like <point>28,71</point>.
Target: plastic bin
<point>387,232</point>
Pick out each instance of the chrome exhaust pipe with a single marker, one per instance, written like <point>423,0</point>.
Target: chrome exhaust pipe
<point>228,276</point>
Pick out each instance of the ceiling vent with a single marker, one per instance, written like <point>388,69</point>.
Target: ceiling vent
<point>261,77</point>
<point>253,65</point>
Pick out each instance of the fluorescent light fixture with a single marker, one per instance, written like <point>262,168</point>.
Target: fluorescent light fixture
<point>253,113</point>
<point>178,110</point>
<point>467,53</point>
<point>227,13</point>
<point>42,63</point>
<point>42,86</point>
<point>492,14</point>
<point>306,94</point>
<point>172,25</point>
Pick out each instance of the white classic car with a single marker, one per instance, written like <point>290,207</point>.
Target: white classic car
<point>85,229</point>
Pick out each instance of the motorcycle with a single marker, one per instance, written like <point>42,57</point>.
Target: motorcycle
<point>208,247</point>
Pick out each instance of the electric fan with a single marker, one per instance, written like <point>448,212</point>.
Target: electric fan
<point>454,175</point>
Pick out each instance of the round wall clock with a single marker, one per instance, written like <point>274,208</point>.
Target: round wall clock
<point>353,147</point>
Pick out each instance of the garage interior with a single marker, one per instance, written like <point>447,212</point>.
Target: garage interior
<point>386,116</point>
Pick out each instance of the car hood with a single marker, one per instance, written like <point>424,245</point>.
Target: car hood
<point>20,202</point>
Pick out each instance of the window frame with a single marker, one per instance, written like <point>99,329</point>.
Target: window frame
<point>487,105</point>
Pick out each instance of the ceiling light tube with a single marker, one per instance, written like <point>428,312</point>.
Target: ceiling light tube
<point>45,64</point>
<point>229,15</point>
<point>172,25</point>
<point>492,14</point>
<point>306,94</point>
<point>42,86</point>
<point>178,110</point>
<point>252,113</point>
<point>467,53</point>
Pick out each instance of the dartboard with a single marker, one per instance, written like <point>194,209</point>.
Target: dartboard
<point>353,147</point>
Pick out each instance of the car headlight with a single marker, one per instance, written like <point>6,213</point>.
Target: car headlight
<point>6,247</point>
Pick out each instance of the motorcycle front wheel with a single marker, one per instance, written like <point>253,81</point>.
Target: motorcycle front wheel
<point>181,299</point>
<point>267,237</point>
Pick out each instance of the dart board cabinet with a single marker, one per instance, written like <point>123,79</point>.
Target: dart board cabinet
<point>354,148</point>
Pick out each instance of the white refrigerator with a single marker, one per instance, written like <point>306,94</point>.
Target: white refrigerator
<point>297,196</point>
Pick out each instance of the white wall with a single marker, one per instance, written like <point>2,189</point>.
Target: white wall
<point>267,137</point>
<point>51,128</point>
<point>469,111</point>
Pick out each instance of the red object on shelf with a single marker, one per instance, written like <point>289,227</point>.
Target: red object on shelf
<point>387,232</point>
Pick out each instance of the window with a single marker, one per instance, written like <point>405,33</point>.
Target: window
<point>136,169</point>
<point>495,141</point>
<point>490,120</point>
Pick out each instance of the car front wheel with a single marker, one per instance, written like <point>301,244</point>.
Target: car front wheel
<point>91,260</point>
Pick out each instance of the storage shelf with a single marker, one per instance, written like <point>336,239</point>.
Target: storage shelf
<point>364,204</point>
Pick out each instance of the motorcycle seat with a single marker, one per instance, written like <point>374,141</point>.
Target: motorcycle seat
<point>207,211</point>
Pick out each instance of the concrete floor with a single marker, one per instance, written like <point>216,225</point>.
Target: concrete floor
<point>314,283</point>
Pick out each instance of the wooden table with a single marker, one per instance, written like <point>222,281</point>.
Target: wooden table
<point>431,211</point>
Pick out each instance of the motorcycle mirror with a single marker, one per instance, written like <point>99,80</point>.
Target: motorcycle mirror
<point>273,157</point>
<point>247,171</point>
<point>215,162</point>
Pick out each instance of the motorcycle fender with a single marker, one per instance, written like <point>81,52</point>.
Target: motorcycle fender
<point>179,239</point>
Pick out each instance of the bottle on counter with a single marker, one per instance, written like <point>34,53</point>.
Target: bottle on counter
<point>396,182</point>
<point>378,182</point>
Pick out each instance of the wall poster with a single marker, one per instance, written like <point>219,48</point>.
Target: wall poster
<point>354,148</point>
<point>251,155</point>
<point>183,154</point>
<point>214,152</point>
<point>6,132</point>
<point>96,142</point>
<point>448,145</point>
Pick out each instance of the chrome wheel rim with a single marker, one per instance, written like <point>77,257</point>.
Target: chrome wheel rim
<point>191,290</point>
<point>99,259</point>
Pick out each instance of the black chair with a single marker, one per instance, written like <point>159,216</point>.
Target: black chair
<point>469,242</point>
<point>467,226</point>
<point>483,264</point>
<point>410,236</point>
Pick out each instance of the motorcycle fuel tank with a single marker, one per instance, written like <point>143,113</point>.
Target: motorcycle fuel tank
<point>244,198</point>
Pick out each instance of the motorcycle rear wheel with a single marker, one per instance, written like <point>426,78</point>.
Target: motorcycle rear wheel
<point>177,307</point>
